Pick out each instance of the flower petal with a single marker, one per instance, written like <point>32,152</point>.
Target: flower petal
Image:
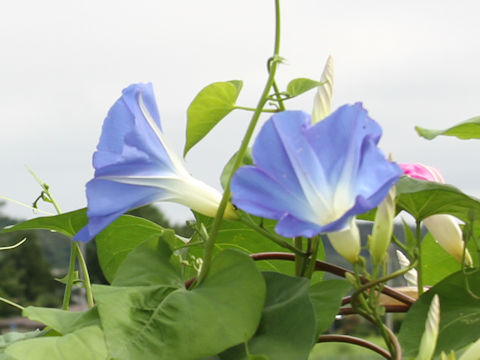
<point>315,178</point>
<point>107,200</point>
<point>422,172</point>
<point>134,166</point>
<point>131,133</point>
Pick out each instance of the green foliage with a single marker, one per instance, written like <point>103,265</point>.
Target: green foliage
<point>437,264</point>
<point>211,105</point>
<point>287,328</point>
<point>469,129</point>
<point>459,314</point>
<point>116,241</point>
<point>237,235</point>
<point>423,198</point>
<point>85,344</point>
<point>301,85</point>
<point>68,223</point>
<point>326,297</point>
<point>26,277</point>
<point>228,169</point>
<point>62,321</point>
<point>136,318</point>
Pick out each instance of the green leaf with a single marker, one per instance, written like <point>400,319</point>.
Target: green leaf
<point>472,352</point>
<point>150,263</point>
<point>423,198</point>
<point>469,129</point>
<point>12,337</point>
<point>409,236</point>
<point>227,170</point>
<point>116,241</point>
<point>459,315</point>
<point>211,105</point>
<point>437,264</point>
<point>164,322</point>
<point>67,223</point>
<point>85,344</point>
<point>287,329</point>
<point>326,297</point>
<point>62,321</point>
<point>301,85</point>
<point>237,235</point>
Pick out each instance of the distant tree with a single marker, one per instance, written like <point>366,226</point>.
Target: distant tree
<point>25,276</point>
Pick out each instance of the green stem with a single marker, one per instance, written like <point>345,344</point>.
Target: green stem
<point>86,276</point>
<point>6,301</point>
<point>74,253</point>
<point>253,109</point>
<point>272,236</point>
<point>278,96</point>
<point>399,244</point>
<point>299,259</point>
<point>418,237</point>
<point>313,257</point>
<point>70,277</point>
<point>384,279</point>
<point>210,243</point>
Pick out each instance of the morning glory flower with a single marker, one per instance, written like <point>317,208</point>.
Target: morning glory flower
<point>443,227</point>
<point>134,166</point>
<point>315,178</point>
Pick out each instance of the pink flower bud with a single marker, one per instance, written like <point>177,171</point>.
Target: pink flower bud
<point>444,228</point>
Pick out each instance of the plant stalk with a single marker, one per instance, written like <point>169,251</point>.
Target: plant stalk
<point>210,243</point>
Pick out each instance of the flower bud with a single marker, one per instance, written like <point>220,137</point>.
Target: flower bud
<point>446,231</point>
<point>382,228</point>
<point>444,228</point>
<point>323,97</point>
<point>411,275</point>
<point>347,242</point>
<point>430,335</point>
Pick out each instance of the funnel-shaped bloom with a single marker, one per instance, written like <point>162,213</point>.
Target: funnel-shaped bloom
<point>443,227</point>
<point>315,178</point>
<point>134,166</point>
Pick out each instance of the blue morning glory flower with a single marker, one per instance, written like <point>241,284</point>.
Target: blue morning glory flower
<point>134,166</point>
<point>315,178</point>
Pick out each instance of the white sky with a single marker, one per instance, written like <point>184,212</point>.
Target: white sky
<point>63,64</point>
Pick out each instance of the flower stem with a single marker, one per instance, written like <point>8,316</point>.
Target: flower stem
<point>74,253</point>
<point>299,259</point>
<point>313,257</point>
<point>210,243</point>
<point>253,109</point>
<point>6,301</point>
<point>70,278</point>
<point>86,276</point>
<point>419,258</point>
<point>272,236</point>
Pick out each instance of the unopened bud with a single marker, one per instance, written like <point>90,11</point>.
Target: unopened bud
<point>382,228</point>
<point>347,242</point>
<point>430,335</point>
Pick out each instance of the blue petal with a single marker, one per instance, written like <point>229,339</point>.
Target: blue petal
<point>314,179</point>
<point>108,200</point>
<point>131,145</point>
<point>339,138</point>
<point>282,151</point>
<point>256,192</point>
<point>131,132</point>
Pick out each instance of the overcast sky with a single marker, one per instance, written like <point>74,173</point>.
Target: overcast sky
<point>63,64</point>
